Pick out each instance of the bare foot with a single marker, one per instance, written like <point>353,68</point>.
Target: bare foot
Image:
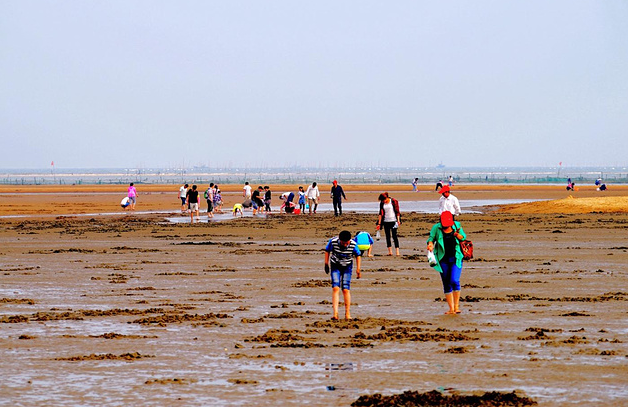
<point>450,312</point>
<point>334,318</point>
<point>457,311</point>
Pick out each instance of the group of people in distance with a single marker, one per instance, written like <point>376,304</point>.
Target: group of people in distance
<point>258,199</point>
<point>307,200</point>
<point>191,200</point>
<point>599,185</point>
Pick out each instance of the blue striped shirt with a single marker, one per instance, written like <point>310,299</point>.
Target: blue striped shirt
<point>339,255</point>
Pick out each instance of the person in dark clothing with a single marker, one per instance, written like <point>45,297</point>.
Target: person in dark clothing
<point>258,203</point>
<point>267,198</point>
<point>337,193</point>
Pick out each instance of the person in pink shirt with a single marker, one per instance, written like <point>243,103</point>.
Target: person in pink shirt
<point>132,195</point>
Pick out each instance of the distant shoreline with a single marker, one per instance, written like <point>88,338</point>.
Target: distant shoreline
<point>348,175</point>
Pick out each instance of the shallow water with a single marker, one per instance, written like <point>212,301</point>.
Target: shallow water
<point>368,207</point>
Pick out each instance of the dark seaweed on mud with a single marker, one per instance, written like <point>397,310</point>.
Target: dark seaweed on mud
<point>436,399</point>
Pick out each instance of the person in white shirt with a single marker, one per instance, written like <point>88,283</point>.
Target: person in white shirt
<point>313,195</point>
<point>448,202</point>
<point>247,191</point>
<point>182,196</point>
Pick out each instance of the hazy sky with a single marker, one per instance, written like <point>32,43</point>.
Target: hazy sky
<point>274,83</point>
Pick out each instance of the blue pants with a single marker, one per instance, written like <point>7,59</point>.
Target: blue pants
<point>341,275</point>
<point>450,275</point>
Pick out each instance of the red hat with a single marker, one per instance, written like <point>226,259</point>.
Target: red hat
<point>446,219</point>
<point>445,189</point>
<point>335,182</point>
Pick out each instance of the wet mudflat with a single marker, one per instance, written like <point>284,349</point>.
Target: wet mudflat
<point>134,310</point>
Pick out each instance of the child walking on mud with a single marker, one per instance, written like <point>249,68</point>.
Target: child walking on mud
<point>339,255</point>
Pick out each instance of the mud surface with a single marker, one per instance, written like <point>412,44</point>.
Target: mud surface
<point>133,310</point>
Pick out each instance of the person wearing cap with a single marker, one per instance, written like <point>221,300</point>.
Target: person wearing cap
<point>337,193</point>
<point>444,242</point>
<point>390,219</point>
<point>448,202</point>
<point>339,254</point>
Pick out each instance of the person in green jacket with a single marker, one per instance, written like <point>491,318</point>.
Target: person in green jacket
<point>444,241</point>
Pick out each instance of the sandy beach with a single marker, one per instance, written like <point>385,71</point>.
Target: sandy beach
<point>130,309</point>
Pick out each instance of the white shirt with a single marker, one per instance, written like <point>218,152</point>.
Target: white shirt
<point>182,192</point>
<point>312,192</point>
<point>389,212</point>
<point>450,204</point>
<point>247,191</point>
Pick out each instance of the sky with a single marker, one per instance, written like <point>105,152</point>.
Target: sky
<point>144,84</point>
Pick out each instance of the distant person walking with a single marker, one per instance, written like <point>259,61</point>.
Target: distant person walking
<point>217,199</point>
<point>313,195</point>
<point>246,191</point>
<point>339,254</point>
<point>209,198</point>
<point>182,194</point>
<point>448,202</point>
<point>415,183</point>
<point>444,242</point>
<point>337,193</point>
<point>451,181</point>
<point>132,194</point>
<point>389,218</point>
<point>193,201</point>
<point>267,198</point>
<point>439,185</point>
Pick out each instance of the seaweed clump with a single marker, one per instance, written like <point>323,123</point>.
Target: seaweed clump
<point>436,399</point>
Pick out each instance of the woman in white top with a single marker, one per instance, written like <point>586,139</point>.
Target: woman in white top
<point>390,219</point>
<point>313,195</point>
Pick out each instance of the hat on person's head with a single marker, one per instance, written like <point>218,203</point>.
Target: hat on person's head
<point>446,219</point>
<point>335,182</point>
<point>445,189</point>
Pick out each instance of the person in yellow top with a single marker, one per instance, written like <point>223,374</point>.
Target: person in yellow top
<point>237,209</point>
